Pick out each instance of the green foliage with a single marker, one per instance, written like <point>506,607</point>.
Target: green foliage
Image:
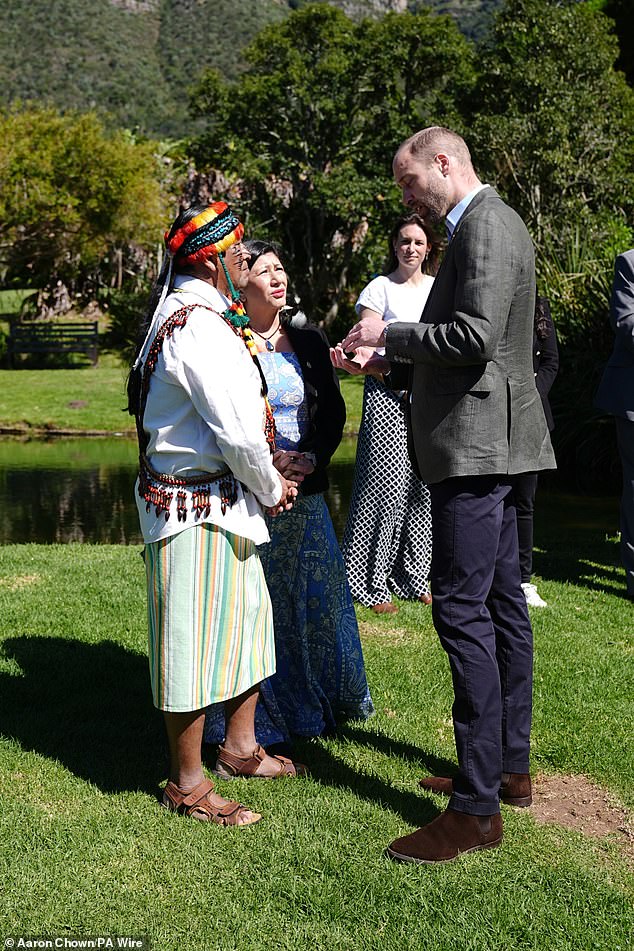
<point>577,278</point>
<point>553,125</point>
<point>553,128</point>
<point>309,130</point>
<point>473,16</point>
<point>125,308</point>
<point>134,61</point>
<point>81,54</point>
<point>621,12</point>
<point>74,197</point>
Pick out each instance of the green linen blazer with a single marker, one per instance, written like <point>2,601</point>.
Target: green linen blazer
<point>475,409</point>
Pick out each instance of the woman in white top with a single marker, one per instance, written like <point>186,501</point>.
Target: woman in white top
<point>387,539</point>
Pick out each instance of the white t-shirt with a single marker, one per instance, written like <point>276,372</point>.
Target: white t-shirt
<point>205,412</point>
<point>395,301</point>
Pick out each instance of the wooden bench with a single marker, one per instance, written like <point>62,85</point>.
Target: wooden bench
<point>53,337</point>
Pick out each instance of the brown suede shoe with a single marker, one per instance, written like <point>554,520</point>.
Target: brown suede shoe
<point>450,835</point>
<point>515,789</point>
<point>441,785</point>
<point>385,607</point>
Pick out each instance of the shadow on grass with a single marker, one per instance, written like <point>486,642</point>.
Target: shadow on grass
<point>428,762</point>
<point>413,806</point>
<point>88,706</point>
<point>328,769</point>
<point>588,557</point>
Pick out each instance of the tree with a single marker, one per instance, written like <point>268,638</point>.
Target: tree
<point>308,133</point>
<point>621,12</point>
<point>552,120</point>
<point>76,200</point>
<point>553,128</point>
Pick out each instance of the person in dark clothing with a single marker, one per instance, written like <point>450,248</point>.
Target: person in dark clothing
<point>545,365</point>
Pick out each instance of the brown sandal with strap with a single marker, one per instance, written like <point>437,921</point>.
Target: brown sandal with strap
<point>198,805</point>
<point>230,766</point>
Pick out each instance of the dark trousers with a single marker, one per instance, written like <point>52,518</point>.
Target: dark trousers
<point>524,488</point>
<point>480,614</point>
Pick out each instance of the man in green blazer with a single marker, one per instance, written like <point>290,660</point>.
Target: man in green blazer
<point>477,420</point>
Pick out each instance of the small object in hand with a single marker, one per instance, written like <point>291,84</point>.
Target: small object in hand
<point>350,355</point>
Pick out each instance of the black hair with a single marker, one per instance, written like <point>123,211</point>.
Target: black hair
<point>257,248</point>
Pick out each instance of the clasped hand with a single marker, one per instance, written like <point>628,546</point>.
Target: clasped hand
<point>292,464</point>
<point>289,494</point>
<point>293,468</point>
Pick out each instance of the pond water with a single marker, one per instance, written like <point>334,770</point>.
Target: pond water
<point>82,490</point>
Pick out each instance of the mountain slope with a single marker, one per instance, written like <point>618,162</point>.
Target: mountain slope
<point>136,58</point>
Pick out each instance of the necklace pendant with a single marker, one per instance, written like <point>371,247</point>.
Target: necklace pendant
<point>269,346</point>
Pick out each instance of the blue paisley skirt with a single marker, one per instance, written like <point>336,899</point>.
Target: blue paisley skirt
<point>320,675</point>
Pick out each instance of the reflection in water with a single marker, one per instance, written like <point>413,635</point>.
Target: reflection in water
<point>82,490</point>
<point>83,505</point>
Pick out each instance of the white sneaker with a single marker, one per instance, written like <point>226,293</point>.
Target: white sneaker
<point>532,598</point>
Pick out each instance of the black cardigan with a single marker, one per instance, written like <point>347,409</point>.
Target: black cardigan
<point>326,407</point>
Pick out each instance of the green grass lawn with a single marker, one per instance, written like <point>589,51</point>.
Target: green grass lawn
<point>92,399</point>
<point>89,398</point>
<point>86,850</point>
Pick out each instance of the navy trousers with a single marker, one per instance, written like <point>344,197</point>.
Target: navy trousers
<point>524,489</point>
<point>480,614</point>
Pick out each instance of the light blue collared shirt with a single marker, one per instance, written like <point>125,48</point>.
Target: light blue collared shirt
<point>458,211</point>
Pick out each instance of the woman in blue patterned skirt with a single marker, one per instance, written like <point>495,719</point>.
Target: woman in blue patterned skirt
<point>320,677</point>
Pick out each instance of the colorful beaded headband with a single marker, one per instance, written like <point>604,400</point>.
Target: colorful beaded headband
<point>211,232</point>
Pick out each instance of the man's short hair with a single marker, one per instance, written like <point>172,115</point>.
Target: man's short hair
<point>429,142</point>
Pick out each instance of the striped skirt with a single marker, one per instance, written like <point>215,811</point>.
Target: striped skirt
<point>209,618</point>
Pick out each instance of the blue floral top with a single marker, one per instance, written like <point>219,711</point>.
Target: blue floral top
<point>287,397</point>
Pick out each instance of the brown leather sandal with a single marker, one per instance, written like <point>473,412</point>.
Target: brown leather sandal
<point>230,766</point>
<point>198,805</point>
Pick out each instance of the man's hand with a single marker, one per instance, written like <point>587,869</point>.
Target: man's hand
<point>368,332</point>
<point>366,361</point>
<point>285,504</point>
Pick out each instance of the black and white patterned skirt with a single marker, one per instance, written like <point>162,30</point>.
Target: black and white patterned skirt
<point>387,539</point>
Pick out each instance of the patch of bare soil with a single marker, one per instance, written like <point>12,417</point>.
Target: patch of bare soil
<point>576,803</point>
